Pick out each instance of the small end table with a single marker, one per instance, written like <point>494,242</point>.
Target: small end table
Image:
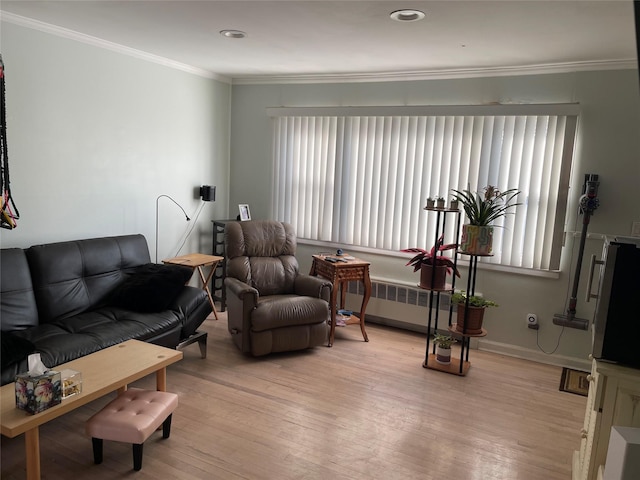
<point>340,273</point>
<point>196,261</point>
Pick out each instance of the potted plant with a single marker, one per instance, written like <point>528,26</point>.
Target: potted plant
<point>470,311</point>
<point>431,202</point>
<point>432,265</point>
<point>482,209</point>
<point>440,202</point>
<point>443,348</point>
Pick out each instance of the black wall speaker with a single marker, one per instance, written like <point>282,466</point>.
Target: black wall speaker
<point>208,193</point>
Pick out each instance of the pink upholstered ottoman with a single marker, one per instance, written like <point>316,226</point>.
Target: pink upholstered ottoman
<point>132,417</point>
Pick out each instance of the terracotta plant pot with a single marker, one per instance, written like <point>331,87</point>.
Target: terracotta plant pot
<point>476,240</point>
<point>431,282</point>
<point>443,355</point>
<point>472,324</point>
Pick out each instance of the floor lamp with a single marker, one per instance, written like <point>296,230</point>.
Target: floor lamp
<point>179,206</point>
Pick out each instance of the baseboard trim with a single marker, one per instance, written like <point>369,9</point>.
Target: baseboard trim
<point>534,355</point>
<point>497,347</point>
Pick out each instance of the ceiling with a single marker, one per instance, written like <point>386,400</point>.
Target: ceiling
<point>356,39</point>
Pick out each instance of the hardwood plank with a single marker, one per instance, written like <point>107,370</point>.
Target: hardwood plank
<point>354,411</point>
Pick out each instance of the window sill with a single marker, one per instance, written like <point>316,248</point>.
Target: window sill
<point>531,272</point>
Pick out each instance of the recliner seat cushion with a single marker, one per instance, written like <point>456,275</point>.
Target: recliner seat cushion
<point>277,311</point>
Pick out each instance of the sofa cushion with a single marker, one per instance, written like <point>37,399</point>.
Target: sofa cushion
<point>151,287</point>
<point>78,276</point>
<point>14,348</point>
<point>67,339</point>
<point>18,308</point>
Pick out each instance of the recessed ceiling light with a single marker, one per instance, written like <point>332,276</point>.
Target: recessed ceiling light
<point>232,33</point>
<point>407,15</point>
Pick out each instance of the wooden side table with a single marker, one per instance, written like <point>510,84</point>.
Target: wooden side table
<point>340,273</point>
<point>196,261</point>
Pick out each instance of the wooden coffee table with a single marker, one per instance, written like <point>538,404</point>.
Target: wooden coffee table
<point>102,372</point>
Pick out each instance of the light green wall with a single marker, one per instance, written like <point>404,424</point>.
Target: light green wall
<point>94,136</point>
<point>608,144</point>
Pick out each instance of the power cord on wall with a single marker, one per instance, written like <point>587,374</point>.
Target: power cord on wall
<point>557,344</point>
<point>190,229</point>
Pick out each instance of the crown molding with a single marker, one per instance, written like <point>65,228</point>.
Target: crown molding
<point>568,67</point>
<point>107,45</point>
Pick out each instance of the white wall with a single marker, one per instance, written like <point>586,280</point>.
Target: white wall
<point>608,144</point>
<point>95,136</point>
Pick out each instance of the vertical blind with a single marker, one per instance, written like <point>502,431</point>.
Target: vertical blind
<point>364,179</point>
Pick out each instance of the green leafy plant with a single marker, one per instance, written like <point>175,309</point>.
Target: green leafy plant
<point>443,341</point>
<point>483,208</point>
<point>474,300</point>
<point>432,257</point>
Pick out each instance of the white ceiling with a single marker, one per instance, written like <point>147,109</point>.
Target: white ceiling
<point>349,39</point>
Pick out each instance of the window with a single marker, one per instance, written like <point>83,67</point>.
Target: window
<point>361,176</point>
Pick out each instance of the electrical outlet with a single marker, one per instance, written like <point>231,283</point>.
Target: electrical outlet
<point>532,321</point>
<point>635,229</point>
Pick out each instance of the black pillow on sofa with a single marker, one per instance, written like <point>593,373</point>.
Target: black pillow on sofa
<point>151,287</point>
<point>14,348</point>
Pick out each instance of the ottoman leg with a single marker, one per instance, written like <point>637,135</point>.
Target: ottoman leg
<point>97,450</point>
<point>166,427</point>
<point>137,456</point>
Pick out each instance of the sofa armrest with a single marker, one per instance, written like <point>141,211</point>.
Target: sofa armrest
<point>194,307</point>
<point>311,286</point>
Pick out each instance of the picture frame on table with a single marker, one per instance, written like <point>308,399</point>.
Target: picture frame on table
<point>245,213</point>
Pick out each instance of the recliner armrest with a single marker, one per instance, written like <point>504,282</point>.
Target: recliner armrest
<point>313,286</point>
<point>241,290</point>
<point>242,299</point>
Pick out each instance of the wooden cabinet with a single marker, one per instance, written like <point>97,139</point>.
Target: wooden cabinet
<point>614,400</point>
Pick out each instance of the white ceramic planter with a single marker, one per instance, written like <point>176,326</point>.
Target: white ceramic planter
<point>443,355</point>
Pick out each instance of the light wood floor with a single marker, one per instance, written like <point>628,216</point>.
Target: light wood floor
<point>354,411</point>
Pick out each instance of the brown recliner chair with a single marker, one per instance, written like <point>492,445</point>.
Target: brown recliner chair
<point>271,306</point>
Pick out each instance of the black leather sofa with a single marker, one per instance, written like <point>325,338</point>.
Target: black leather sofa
<point>69,299</point>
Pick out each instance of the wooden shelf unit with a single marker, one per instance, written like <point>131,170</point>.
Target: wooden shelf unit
<point>454,367</point>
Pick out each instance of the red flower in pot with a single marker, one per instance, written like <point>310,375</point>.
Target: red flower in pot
<point>433,266</point>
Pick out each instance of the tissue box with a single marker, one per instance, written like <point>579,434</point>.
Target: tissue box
<point>37,393</point>
<point>71,383</point>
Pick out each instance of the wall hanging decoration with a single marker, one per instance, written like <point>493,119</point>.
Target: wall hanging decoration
<point>8,210</point>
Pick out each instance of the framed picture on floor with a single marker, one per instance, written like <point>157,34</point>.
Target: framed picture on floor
<point>245,214</point>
